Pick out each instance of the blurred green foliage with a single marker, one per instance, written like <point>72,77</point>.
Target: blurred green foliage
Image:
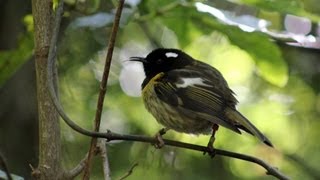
<point>12,60</point>
<point>278,100</point>
<point>296,7</point>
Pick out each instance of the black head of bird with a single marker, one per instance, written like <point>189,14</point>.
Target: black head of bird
<point>163,60</point>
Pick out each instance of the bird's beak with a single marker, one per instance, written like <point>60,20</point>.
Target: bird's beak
<point>139,59</point>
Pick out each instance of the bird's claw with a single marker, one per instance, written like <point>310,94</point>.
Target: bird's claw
<point>210,149</point>
<point>160,143</point>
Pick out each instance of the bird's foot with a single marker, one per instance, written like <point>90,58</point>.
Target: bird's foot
<point>160,143</point>
<point>210,149</point>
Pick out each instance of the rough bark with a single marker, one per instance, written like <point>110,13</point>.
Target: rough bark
<point>49,129</point>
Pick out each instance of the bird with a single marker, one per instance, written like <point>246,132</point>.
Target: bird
<point>190,96</point>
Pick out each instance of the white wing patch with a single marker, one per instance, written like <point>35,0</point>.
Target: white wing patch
<point>171,54</point>
<point>190,82</point>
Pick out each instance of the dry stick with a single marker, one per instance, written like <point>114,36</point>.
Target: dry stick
<point>103,88</point>
<point>52,92</point>
<point>312,171</point>
<point>129,172</point>
<point>71,174</point>
<point>104,156</point>
<point>110,136</point>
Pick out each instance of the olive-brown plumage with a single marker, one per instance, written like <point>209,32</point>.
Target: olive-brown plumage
<point>190,96</point>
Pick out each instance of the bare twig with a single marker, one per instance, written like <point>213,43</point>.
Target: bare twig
<point>312,171</point>
<point>4,166</point>
<point>71,174</point>
<point>50,77</point>
<point>103,88</point>
<point>129,172</point>
<point>55,32</point>
<point>35,173</point>
<point>104,157</point>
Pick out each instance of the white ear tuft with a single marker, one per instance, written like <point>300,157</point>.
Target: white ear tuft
<point>171,54</point>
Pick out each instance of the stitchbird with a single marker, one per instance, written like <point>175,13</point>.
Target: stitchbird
<point>190,96</point>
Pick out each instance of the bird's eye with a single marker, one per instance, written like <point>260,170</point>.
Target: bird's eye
<point>159,61</point>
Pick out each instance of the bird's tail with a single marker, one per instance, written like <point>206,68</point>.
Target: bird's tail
<point>246,125</point>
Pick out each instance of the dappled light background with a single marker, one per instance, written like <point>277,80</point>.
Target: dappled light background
<point>277,85</point>
<point>278,101</point>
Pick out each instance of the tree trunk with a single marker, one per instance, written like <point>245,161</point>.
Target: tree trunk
<point>49,129</point>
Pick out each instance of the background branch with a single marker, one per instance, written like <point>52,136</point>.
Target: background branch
<point>129,172</point>
<point>104,156</point>
<point>71,174</point>
<point>103,89</point>
<point>4,166</point>
<point>52,91</point>
<point>302,163</point>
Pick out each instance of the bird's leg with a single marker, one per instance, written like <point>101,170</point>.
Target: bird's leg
<point>158,136</point>
<point>210,147</point>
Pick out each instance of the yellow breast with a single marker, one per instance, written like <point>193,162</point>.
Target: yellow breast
<point>151,83</point>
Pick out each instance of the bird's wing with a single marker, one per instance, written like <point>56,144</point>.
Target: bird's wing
<point>215,78</point>
<point>192,92</point>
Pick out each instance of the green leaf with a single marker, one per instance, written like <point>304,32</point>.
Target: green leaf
<point>175,16</point>
<point>184,29</point>
<point>266,54</point>
<point>268,58</point>
<point>295,7</point>
<point>13,59</point>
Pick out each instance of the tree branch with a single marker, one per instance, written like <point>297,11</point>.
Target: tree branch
<point>49,124</point>
<point>103,89</point>
<point>4,166</point>
<point>110,136</point>
<point>312,171</point>
<point>129,172</point>
<point>104,157</point>
<point>53,95</point>
<point>71,174</point>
